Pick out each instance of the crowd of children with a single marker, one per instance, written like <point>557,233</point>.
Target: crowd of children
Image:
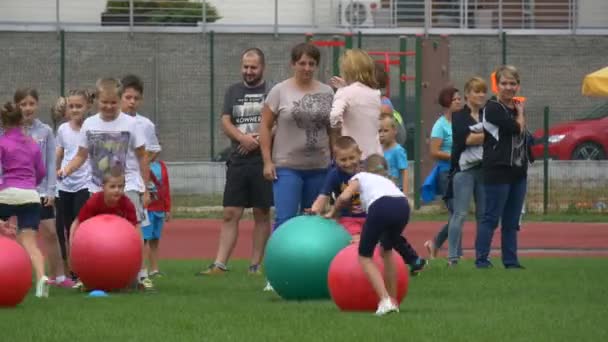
<point>94,164</point>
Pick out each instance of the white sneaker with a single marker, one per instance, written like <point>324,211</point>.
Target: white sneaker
<point>268,287</point>
<point>42,287</point>
<point>386,306</point>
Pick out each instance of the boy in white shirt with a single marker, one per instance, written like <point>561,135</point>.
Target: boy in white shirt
<point>388,213</point>
<point>110,139</point>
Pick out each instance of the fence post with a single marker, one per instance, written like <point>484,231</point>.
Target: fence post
<point>418,118</point>
<point>57,15</point>
<point>276,19</point>
<point>504,47</point>
<point>348,40</point>
<point>500,16</point>
<point>204,14</point>
<point>336,57</point>
<point>131,20</point>
<point>211,95</point>
<point>402,74</point>
<point>62,63</point>
<point>359,39</point>
<point>546,161</point>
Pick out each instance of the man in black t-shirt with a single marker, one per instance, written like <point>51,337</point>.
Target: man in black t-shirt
<point>245,186</point>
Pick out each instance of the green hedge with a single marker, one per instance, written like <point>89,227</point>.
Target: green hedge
<point>168,11</point>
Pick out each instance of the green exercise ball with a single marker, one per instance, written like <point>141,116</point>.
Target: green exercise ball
<point>298,255</point>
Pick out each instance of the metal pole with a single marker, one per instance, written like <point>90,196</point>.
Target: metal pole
<point>427,17</point>
<point>204,9</point>
<point>211,96</point>
<point>402,73</point>
<point>348,41</point>
<point>336,57</point>
<point>504,47</point>
<point>359,39</point>
<point>546,161</point>
<point>276,18</point>
<point>500,16</point>
<point>350,20</point>
<point>418,121</point>
<point>57,15</point>
<point>62,63</point>
<point>131,18</point>
<point>313,7</point>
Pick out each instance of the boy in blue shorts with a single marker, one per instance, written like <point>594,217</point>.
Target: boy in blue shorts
<point>396,158</point>
<point>159,211</point>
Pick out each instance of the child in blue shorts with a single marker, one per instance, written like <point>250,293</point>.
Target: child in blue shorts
<point>159,211</point>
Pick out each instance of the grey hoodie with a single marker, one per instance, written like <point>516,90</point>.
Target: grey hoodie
<point>44,137</point>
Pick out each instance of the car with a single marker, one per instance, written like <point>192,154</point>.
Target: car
<point>582,139</point>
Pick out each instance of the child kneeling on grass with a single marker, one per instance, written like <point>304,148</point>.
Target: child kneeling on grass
<point>388,213</point>
<point>111,200</point>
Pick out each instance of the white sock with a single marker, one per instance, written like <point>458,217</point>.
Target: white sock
<point>60,279</point>
<point>143,273</point>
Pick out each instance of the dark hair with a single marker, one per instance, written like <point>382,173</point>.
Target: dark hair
<point>446,95</point>
<point>381,76</point>
<point>305,49</point>
<point>256,52</point>
<point>22,93</point>
<point>133,82</point>
<point>345,142</point>
<point>11,115</point>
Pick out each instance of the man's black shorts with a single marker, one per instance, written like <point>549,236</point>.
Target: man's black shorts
<point>246,186</point>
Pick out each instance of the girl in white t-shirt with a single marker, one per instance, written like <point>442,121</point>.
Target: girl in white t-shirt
<point>388,213</point>
<point>73,190</point>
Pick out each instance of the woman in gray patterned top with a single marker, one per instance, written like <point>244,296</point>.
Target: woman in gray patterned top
<point>297,157</point>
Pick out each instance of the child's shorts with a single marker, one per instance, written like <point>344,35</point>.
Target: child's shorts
<point>386,220</point>
<point>154,230</point>
<point>353,225</point>
<point>28,215</point>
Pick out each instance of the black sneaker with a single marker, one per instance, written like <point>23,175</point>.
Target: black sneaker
<point>417,267</point>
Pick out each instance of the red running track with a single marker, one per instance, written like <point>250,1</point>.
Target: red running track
<point>193,239</point>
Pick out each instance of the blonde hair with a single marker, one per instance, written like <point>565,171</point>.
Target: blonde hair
<point>475,84</point>
<point>116,171</point>
<point>507,71</point>
<point>107,86</point>
<point>389,116</point>
<point>58,110</point>
<point>376,163</point>
<point>357,66</point>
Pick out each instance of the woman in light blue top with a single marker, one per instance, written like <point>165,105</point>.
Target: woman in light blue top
<point>441,151</point>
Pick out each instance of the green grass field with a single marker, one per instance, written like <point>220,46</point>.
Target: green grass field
<point>553,300</point>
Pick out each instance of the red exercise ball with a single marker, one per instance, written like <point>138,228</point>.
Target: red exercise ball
<point>349,287</point>
<point>15,272</point>
<point>106,253</point>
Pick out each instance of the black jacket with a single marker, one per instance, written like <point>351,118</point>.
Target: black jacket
<point>506,149</point>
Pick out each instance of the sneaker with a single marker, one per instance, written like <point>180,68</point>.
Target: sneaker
<point>67,283</point>
<point>79,286</point>
<point>484,265</point>
<point>386,306</point>
<point>146,284</point>
<point>213,269</point>
<point>268,287</point>
<point>255,269</point>
<point>418,266</point>
<point>431,249</point>
<point>42,287</point>
<point>155,274</point>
